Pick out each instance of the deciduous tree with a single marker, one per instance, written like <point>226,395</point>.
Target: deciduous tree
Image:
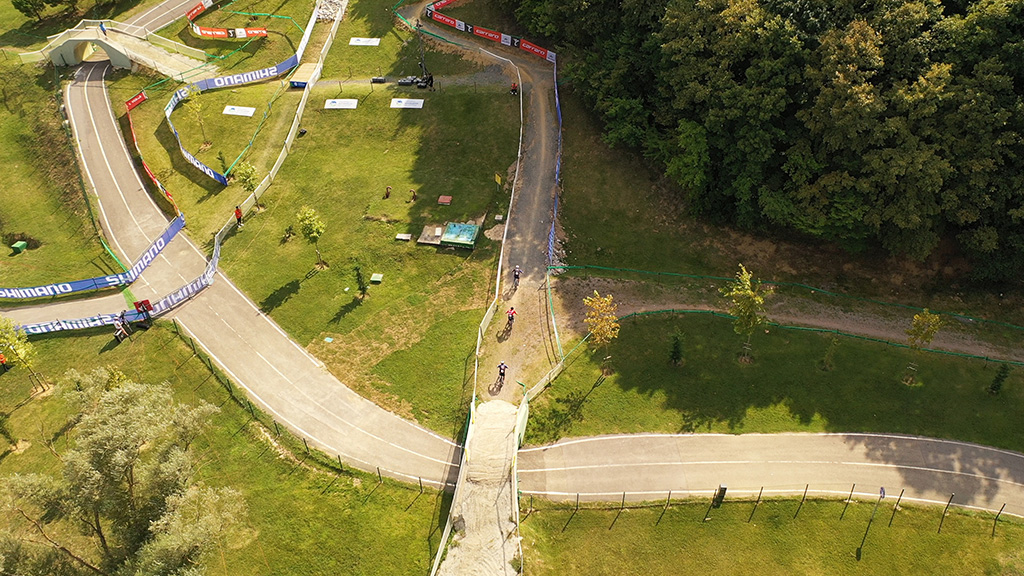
<point>312,227</point>
<point>746,297</point>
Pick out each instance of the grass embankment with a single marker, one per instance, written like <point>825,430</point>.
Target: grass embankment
<point>306,520</point>
<point>617,212</point>
<point>284,32</point>
<point>648,541</point>
<point>41,199</point>
<point>397,55</point>
<point>784,389</point>
<point>407,345</point>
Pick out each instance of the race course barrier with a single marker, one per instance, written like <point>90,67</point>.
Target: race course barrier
<point>485,33</point>
<point>101,282</point>
<point>219,33</point>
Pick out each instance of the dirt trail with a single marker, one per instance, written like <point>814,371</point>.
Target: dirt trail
<point>642,297</point>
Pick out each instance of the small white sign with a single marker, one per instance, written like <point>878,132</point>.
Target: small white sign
<point>239,110</point>
<point>364,42</point>
<point>406,103</point>
<point>341,104</point>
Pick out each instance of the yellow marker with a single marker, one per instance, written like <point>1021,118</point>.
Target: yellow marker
<point>497,178</point>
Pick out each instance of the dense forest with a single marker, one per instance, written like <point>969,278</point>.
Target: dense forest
<point>892,123</point>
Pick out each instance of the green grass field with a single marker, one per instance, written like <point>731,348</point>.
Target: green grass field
<point>307,521</point>
<point>404,345</point>
<point>40,195</point>
<point>677,541</point>
<point>783,390</point>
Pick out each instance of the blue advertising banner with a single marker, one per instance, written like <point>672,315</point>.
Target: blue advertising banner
<point>101,282</point>
<point>212,84</point>
<point>164,305</point>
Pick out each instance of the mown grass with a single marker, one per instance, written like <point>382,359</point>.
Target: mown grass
<point>40,194</point>
<point>305,520</point>
<point>816,542</point>
<point>431,298</point>
<point>784,389</point>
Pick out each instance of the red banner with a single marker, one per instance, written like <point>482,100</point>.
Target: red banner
<point>485,33</point>
<point>136,100</point>
<point>210,32</point>
<point>195,11</point>
<point>442,3</point>
<point>249,32</point>
<point>534,49</point>
<point>444,19</point>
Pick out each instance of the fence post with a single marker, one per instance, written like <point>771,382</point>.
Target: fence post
<point>943,519</point>
<point>306,444</point>
<point>341,467</point>
<point>276,428</point>
<point>421,484</point>
<point>994,523</point>
<point>761,491</point>
<point>802,500</point>
<point>577,500</point>
<point>896,507</point>
<point>380,479</point>
<point>850,497</point>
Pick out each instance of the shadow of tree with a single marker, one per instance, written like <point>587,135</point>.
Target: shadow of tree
<point>346,310</point>
<point>280,296</point>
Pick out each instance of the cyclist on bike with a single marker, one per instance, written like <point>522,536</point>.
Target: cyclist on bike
<point>501,371</point>
<point>516,272</point>
<point>511,314</point>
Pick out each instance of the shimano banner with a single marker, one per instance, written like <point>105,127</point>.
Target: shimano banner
<point>101,282</point>
<point>220,82</point>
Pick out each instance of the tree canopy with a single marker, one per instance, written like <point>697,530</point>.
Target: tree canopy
<point>892,123</point>
<point>127,484</point>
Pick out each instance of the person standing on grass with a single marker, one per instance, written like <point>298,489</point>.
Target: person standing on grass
<point>413,192</point>
<point>3,362</point>
<point>238,216</point>
<point>387,192</point>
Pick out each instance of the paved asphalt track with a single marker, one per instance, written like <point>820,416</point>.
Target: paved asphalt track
<point>276,372</point>
<point>295,388</point>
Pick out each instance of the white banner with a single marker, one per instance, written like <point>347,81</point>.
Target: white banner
<point>239,110</point>
<point>506,39</point>
<point>406,103</point>
<point>364,42</point>
<point>341,104</point>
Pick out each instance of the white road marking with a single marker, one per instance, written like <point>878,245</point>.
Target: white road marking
<point>766,462</point>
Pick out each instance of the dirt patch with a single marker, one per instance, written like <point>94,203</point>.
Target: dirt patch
<point>495,232</point>
<point>11,238</point>
<point>20,446</point>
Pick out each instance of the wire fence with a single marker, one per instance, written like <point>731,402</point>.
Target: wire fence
<point>798,495</point>
<point>297,445</point>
